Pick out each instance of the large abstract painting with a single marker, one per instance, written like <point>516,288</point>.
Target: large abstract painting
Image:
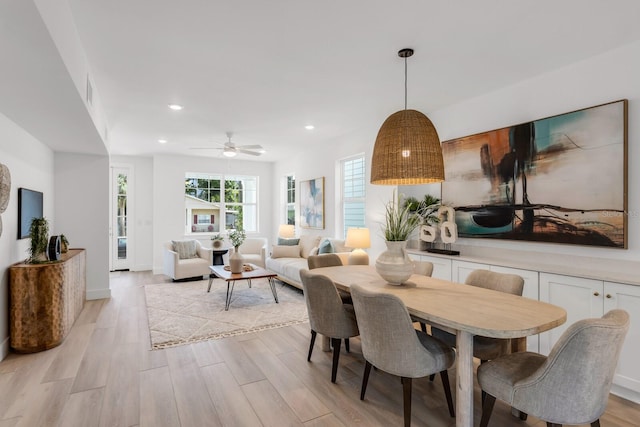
<point>312,203</point>
<point>562,179</point>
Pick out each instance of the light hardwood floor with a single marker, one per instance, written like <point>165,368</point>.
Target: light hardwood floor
<point>105,375</point>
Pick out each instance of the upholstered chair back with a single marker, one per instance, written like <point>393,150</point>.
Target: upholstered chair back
<point>327,314</point>
<point>424,268</point>
<point>326,260</point>
<point>389,340</point>
<point>503,282</point>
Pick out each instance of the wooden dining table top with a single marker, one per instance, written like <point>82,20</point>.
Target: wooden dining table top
<point>457,306</point>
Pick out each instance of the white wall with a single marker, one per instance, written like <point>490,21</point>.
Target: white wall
<point>605,78</point>
<point>31,164</point>
<point>82,213</point>
<point>168,195</point>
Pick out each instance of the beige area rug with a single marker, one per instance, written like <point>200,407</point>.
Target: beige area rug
<point>183,313</point>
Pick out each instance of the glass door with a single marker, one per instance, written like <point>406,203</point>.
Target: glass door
<point>120,248</point>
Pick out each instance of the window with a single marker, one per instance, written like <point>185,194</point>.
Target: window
<point>353,192</point>
<point>290,206</point>
<point>206,211</point>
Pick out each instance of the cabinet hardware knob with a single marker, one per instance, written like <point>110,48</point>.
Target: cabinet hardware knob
<point>596,294</point>
<point>608,295</point>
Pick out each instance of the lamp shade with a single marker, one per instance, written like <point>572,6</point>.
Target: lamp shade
<point>358,238</point>
<point>407,151</point>
<point>286,231</point>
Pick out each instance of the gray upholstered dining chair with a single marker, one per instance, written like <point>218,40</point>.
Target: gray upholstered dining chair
<point>328,315</point>
<point>571,385</point>
<point>391,343</point>
<point>424,268</point>
<point>486,348</point>
<point>329,260</point>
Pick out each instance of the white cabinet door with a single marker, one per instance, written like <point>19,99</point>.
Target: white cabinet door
<point>461,269</point>
<point>530,290</point>
<point>627,377</point>
<point>582,298</point>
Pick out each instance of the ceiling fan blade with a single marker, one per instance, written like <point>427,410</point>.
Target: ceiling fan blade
<point>205,148</point>
<point>252,153</point>
<point>250,147</point>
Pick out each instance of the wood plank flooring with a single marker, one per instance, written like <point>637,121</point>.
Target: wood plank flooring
<point>104,374</point>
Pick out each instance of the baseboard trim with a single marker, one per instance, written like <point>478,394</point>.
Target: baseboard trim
<point>99,294</point>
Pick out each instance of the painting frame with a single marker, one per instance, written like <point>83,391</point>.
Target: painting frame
<point>312,203</point>
<point>561,179</point>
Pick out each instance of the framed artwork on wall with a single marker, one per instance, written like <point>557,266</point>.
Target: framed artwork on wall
<point>312,203</point>
<point>562,179</point>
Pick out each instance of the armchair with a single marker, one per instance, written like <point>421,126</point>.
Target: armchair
<point>190,260</point>
<point>254,250</point>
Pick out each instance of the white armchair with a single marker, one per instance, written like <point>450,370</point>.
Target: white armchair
<point>190,264</point>
<point>254,251</point>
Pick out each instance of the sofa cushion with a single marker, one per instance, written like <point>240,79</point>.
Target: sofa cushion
<point>307,244</point>
<point>185,248</point>
<point>285,251</point>
<point>288,242</point>
<point>326,247</point>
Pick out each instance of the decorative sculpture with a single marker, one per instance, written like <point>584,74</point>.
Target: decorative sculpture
<point>448,232</point>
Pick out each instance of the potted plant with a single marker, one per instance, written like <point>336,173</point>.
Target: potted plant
<point>236,237</point>
<point>427,211</point>
<point>394,265</point>
<point>39,234</point>
<point>216,241</point>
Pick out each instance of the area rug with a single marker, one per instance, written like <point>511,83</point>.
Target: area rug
<point>183,312</point>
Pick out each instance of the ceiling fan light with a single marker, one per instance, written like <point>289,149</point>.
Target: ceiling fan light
<point>229,153</point>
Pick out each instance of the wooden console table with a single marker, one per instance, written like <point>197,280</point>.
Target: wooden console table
<point>45,301</point>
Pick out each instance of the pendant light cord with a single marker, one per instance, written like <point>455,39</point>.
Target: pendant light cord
<point>405,82</point>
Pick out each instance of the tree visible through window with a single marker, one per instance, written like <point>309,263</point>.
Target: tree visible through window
<point>206,211</point>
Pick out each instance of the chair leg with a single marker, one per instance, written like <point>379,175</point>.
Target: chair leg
<point>423,326</point>
<point>432,377</point>
<point>313,340</point>
<point>596,423</point>
<point>365,379</point>
<point>487,408</point>
<point>553,424</point>
<point>444,376</point>
<point>406,399</point>
<point>346,345</point>
<point>336,343</point>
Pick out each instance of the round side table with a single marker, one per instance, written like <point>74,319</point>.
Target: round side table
<point>217,256</point>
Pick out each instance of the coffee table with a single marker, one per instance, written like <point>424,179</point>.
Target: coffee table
<point>230,278</point>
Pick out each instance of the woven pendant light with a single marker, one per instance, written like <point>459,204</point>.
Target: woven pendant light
<point>407,149</point>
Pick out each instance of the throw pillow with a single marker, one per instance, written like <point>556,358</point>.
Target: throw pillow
<point>285,251</point>
<point>307,243</point>
<point>326,247</point>
<point>186,248</point>
<point>287,242</point>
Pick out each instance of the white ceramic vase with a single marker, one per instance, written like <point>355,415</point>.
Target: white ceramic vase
<point>236,261</point>
<point>394,265</point>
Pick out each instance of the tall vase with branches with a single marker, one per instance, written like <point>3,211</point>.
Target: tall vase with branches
<point>394,265</point>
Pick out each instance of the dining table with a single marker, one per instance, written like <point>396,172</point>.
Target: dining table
<point>463,309</point>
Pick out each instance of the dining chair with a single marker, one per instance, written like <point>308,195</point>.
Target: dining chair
<point>328,315</point>
<point>391,343</point>
<point>571,385</point>
<point>329,260</point>
<point>486,348</point>
<point>424,268</point>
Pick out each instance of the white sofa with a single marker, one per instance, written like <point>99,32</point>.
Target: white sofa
<point>253,250</point>
<point>288,267</point>
<point>196,265</point>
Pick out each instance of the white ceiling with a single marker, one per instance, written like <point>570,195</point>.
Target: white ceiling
<point>265,69</point>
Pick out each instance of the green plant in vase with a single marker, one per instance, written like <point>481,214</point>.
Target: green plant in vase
<point>39,234</point>
<point>216,241</point>
<point>400,220</point>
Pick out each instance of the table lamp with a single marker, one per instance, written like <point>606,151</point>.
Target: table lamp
<point>286,231</point>
<point>358,238</point>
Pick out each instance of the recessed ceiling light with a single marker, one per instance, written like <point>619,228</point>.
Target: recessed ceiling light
<point>162,141</point>
<point>176,107</point>
<point>309,127</point>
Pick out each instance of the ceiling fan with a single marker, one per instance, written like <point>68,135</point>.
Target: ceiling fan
<point>229,149</point>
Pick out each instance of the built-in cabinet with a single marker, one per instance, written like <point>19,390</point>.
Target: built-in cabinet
<point>581,297</point>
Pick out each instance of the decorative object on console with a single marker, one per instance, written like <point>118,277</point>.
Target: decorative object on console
<point>236,236</point>
<point>217,241</point>
<point>448,232</point>
<point>64,244</point>
<point>394,265</point>
<point>53,250</point>
<point>427,210</point>
<point>358,239</point>
<point>312,203</point>
<point>39,234</point>
<point>561,179</point>
<point>407,149</point>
